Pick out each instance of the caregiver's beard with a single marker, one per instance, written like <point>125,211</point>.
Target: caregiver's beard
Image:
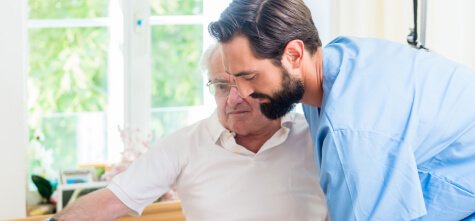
<point>284,100</point>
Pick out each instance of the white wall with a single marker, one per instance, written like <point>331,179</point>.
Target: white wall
<point>321,15</point>
<point>450,24</point>
<point>451,29</point>
<point>13,130</point>
<point>370,18</point>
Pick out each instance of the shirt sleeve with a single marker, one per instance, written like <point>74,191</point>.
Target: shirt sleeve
<point>149,177</point>
<point>370,176</point>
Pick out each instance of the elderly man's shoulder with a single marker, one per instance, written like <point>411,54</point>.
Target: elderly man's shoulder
<point>297,119</point>
<point>296,115</point>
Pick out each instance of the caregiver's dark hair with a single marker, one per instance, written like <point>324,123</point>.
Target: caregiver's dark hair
<point>268,25</point>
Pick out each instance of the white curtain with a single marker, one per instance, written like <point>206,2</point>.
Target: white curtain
<point>450,24</point>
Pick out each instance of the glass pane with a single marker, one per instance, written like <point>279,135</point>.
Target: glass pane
<point>62,141</point>
<point>176,76</point>
<point>67,94</point>
<point>177,7</point>
<point>168,120</point>
<point>67,71</point>
<point>51,9</point>
<point>177,83</point>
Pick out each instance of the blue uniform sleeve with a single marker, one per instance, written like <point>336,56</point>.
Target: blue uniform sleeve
<point>370,176</point>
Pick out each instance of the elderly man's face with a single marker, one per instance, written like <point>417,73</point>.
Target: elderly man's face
<point>237,114</point>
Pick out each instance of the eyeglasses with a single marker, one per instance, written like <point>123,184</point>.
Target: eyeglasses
<point>220,89</point>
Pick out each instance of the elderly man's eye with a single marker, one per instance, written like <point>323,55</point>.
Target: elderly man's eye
<point>222,88</point>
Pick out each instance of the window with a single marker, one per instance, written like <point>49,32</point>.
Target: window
<point>95,65</point>
<point>67,84</point>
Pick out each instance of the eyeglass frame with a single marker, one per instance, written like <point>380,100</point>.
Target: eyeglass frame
<point>212,87</point>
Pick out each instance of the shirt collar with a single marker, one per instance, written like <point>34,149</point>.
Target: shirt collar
<point>218,132</point>
<point>215,127</point>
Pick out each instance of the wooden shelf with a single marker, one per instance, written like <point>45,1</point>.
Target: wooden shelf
<point>165,211</point>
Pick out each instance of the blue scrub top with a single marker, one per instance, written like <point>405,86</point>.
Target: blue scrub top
<point>395,135</point>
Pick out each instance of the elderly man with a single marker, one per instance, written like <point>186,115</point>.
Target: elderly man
<point>235,165</point>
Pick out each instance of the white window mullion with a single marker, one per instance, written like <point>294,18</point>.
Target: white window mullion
<point>177,20</point>
<point>136,49</point>
<point>116,81</point>
<point>69,23</point>
<point>129,71</point>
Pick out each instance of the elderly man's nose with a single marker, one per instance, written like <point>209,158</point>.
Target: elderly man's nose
<point>234,97</point>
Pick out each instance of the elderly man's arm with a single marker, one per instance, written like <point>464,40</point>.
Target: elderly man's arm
<point>99,205</point>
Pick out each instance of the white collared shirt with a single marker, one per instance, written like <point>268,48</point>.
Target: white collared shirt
<point>217,179</point>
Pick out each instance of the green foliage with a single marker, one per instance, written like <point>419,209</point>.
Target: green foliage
<point>52,9</point>
<point>67,70</point>
<point>177,7</point>
<point>45,188</point>
<point>176,78</point>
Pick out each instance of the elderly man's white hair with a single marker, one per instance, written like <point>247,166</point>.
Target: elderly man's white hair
<point>207,56</point>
